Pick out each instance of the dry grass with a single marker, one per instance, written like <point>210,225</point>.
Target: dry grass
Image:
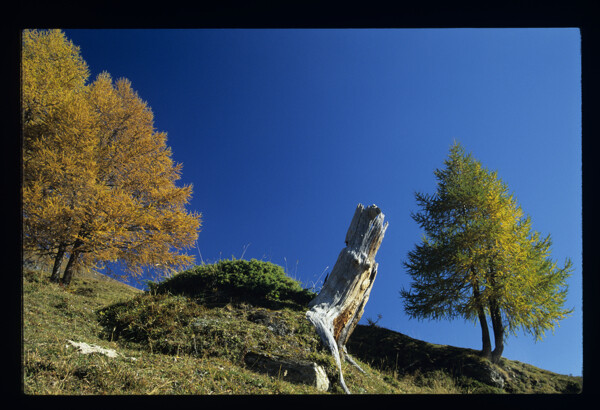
<point>53,315</point>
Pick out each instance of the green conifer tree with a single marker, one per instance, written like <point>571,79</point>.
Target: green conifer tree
<point>480,258</point>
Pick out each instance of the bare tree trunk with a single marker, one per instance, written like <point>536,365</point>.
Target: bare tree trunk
<point>55,277</point>
<point>486,350</point>
<point>336,310</point>
<point>68,275</point>
<point>498,332</point>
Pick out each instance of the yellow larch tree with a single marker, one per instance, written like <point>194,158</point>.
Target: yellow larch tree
<point>56,139</point>
<point>138,214</point>
<point>99,182</point>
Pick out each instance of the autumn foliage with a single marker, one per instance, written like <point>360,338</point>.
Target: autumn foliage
<point>99,182</point>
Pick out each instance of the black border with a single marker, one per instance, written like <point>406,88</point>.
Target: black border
<point>307,14</point>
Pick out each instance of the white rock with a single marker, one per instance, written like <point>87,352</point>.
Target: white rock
<point>85,348</point>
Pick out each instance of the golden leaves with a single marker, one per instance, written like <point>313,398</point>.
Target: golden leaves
<point>96,173</point>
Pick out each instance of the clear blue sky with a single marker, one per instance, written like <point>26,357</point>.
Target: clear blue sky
<point>283,132</point>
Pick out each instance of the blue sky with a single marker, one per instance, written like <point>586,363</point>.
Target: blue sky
<point>283,132</point>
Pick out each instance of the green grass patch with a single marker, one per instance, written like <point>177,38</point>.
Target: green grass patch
<point>256,282</point>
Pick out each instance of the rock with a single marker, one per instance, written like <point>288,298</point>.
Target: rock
<point>294,371</point>
<point>85,348</point>
<point>484,373</point>
<point>271,321</point>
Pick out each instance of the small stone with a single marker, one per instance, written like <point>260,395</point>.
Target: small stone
<point>291,370</point>
<point>85,348</point>
<point>485,373</point>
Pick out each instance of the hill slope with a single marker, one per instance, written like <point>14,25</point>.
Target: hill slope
<point>171,344</point>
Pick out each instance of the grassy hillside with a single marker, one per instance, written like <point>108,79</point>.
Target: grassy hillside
<point>169,343</point>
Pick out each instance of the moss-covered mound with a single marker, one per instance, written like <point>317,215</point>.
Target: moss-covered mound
<point>223,310</point>
<point>177,325</point>
<point>255,282</point>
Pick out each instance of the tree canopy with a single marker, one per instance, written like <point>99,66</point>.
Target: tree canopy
<point>479,257</point>
<point>99,182</point>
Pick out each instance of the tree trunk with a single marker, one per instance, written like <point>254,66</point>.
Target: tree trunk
<point>336,310</point>
<point>68,275</point>
<point>55,277</point>
<point>498,332</point>
<point>486,350</point>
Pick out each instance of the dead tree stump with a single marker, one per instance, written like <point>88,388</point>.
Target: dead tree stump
<point>338,307</point>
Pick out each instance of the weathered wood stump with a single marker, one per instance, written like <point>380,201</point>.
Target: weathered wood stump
<point>338,307</point>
